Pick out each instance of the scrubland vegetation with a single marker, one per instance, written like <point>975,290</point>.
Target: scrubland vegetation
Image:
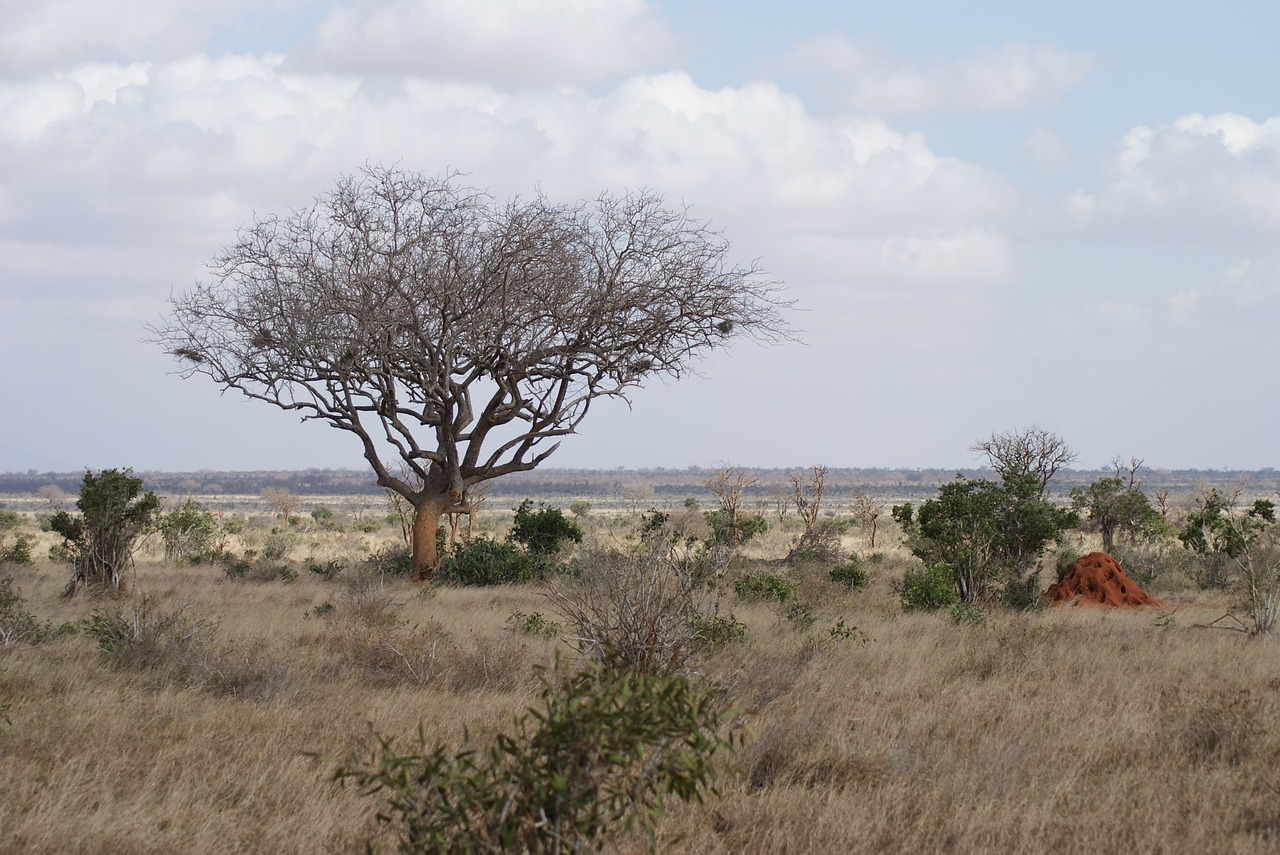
<point>826,702</point>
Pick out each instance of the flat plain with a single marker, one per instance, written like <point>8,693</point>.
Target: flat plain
<point>864,729</point>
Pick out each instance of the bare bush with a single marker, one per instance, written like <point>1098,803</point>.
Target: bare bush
<point>636,611</point>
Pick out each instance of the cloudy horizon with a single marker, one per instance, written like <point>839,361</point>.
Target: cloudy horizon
<point>989,217</point>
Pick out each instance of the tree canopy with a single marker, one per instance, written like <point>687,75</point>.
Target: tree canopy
<point>462,335</point>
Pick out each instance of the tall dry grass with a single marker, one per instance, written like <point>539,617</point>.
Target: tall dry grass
<point>1055,731</point>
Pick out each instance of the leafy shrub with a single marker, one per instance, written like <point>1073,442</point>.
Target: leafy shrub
<point>800,616</point>
<point>544,531</point>
<point>719,630</point>
<point>17,625</point>
<point>841,631</point>
<point>763,585</point>
<point>967,614</point>
<point>533,624</point>
<point>99,542</point>
<point>928,588</point>
<point>276,546</point>
<point>189,531</point>
<point>327,570</point>
<point>595,758</point>
<point>319,611</point>
<point>325,518</point>
<point>1023,594</point>
<point>488,562</point>
<point>257,569</point>
<point>850,574</point>
<point>749,527</point>
<point>392,561</point>
<point>19,551</point>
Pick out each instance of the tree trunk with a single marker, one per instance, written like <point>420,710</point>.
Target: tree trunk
<point>1108,536</point>
<point>426,519</point>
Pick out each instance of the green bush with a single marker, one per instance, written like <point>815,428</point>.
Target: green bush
<point>1023,594</point>
<point>595,759</point>
<point>763,585</point>
<point>533,624</point>
<point>114,513</point>
<point>719,630</point>
<point>966,614</point>
<point>800,616</point>
<point>850,574</point>
<point>488,562</point>
<point>928,588</point>
<point>189,531</point>
<point>392,561</point>
<point>327,570</point>
<point>544,531</point>
<point>19,551</point>
<point>722,530</point>
<point>841,631</point>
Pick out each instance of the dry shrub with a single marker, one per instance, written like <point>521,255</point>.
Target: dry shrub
<point>1220,728</point>
<point>635,611</point>
<point>367,633</point>
<point>176,649</point>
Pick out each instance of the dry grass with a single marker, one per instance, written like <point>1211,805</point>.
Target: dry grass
<point>1056,731</point>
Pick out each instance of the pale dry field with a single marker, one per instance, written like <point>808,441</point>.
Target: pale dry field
<point>1071,730</point>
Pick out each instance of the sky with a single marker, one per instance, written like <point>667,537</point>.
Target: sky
<point>990,215</point>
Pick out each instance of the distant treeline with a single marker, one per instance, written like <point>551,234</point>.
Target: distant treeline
<point>634,484</point>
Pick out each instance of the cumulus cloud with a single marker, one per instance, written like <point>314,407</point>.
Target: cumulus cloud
<point>1211,179</point>
<point>174,154</point>
<point>1047,150</point>
<point>51,34</point>
<point>861,76</point>
<point>517,42</point>
<point>1249,288</point>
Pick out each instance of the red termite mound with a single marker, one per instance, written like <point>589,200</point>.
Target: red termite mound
<point>1097,580</point>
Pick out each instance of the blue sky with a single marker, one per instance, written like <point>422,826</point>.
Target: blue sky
<point>990,214</point>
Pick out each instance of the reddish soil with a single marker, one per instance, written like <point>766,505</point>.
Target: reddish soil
<point>1097,580</point>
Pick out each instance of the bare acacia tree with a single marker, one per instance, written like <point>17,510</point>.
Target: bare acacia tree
<point>462,335</point>
<point>281,502</point>
<point>806,495</point>
<point>1033,451</point>
<point>868,510</point>
<point>728,483</point>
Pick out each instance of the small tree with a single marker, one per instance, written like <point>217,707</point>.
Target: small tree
<point>100,541</point>
<point>462,336</point>
<point>868,510</point>
<point>1219,534</point>
<point>821,539</point>
<point>983,530</point>
<point>1031,451</point>
<point>188,530</point>
<point>544,531</point>
<point>728,483</point>
<point>281,502</point>
<point>1113,507</point>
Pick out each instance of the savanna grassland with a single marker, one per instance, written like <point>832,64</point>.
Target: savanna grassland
<point>863,728</point>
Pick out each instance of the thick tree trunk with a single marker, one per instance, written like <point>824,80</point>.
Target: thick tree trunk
<point>426,519</point>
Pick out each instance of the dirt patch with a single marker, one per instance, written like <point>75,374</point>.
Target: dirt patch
<point>1097,580</point>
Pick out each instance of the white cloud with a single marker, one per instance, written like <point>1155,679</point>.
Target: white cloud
<point>519,42</point>
<point>1207,179</point>
<point>178,153</point>
<point>50,34</point>
<point>1047,150</point>
<point>1012,76</point>
<point>1246,290</point>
